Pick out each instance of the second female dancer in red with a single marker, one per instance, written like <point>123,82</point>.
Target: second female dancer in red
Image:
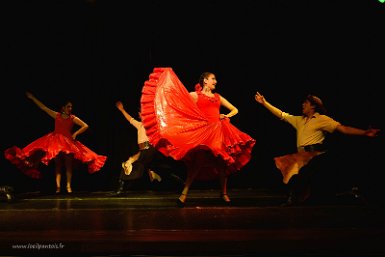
<point>188,126</point>
<point>60,145</point>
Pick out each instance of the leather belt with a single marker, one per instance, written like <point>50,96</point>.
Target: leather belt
<point>144,145</point>
<point>312,148</point>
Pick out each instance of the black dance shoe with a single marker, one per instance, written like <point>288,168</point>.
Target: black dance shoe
<point>120,189</point>
<point>7,192</point>
<point>291,200</point>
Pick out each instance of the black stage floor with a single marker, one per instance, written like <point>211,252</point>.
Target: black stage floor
<point>148,223</point>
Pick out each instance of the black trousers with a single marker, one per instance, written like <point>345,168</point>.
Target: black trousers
<point>317,180</point>
<point>153,159</point>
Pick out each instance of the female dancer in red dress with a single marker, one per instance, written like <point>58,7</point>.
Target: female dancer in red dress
<point>61,145</point>
<point>189,127</point>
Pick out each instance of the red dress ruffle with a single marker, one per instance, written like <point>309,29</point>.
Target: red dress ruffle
<point>47,147</point>
<point>179,127</point>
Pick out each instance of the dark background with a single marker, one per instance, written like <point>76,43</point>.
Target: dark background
<point>97,52</point>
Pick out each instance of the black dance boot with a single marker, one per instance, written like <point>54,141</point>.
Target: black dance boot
<point>120,189</point>
<point>291,199</point>
<point>7,192</point>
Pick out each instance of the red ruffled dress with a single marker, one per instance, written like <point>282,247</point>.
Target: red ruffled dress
<point>47,147</point>
<point>189,131</point>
